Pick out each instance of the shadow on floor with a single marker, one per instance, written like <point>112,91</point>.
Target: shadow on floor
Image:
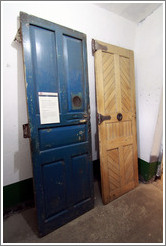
<point>30,217</point>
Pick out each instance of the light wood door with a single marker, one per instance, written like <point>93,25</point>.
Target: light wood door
<point>115,89</point>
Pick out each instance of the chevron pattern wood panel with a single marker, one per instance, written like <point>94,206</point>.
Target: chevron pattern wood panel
<point>118,129</point>
<point>113,169</point>
<point>125,84</point>
<point>109,83</point>
<point>128,163</point>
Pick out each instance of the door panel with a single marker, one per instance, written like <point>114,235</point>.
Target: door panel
<point>110,102</point>
<point>74,72</point>
<point>114,169</point>
<point>114,67</point>
<point>61,136</point>
<point>125,84</point>
<point>80,169</point>
<point>44,58</point>
<point>55,63</point>
<point>54,182</point>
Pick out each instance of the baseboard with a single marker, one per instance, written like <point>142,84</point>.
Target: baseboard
<point>147,171</point>
<point>18,194</point>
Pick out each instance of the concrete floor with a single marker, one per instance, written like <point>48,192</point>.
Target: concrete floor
<point>135,217</point>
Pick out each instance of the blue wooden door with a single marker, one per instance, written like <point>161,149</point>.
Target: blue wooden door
<point>55,63</point>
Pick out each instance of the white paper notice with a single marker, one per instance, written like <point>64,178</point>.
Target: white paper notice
<point>49,108</point>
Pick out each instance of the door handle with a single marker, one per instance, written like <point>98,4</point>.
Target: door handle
<point>119,116</point>
<point>101,118</point>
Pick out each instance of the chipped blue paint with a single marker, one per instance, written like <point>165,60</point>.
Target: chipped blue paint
<point>56,61</point>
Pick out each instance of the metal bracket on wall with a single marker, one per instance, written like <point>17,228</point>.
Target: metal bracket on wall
<point>96,46</point>
<point>26,131</point>
<point>18,36</point>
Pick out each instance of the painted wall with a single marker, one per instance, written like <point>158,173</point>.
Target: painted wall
<point>157,145</point>
<point>149,82</point>
<point>96,22</point>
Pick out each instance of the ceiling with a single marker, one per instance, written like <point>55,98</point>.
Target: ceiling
<point>135,12</point>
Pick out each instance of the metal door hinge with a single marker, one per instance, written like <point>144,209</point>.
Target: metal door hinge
<point>85,116</point>
<point>101,118</point>
<point>96,46</point>
<point>18,36</point>
<point>26,131</point>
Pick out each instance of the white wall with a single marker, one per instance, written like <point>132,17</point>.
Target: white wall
<point>96,22</point>
<point>158,133</point>
<point>149,80</point>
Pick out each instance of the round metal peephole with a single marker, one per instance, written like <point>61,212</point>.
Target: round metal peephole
<point>76,101</point>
